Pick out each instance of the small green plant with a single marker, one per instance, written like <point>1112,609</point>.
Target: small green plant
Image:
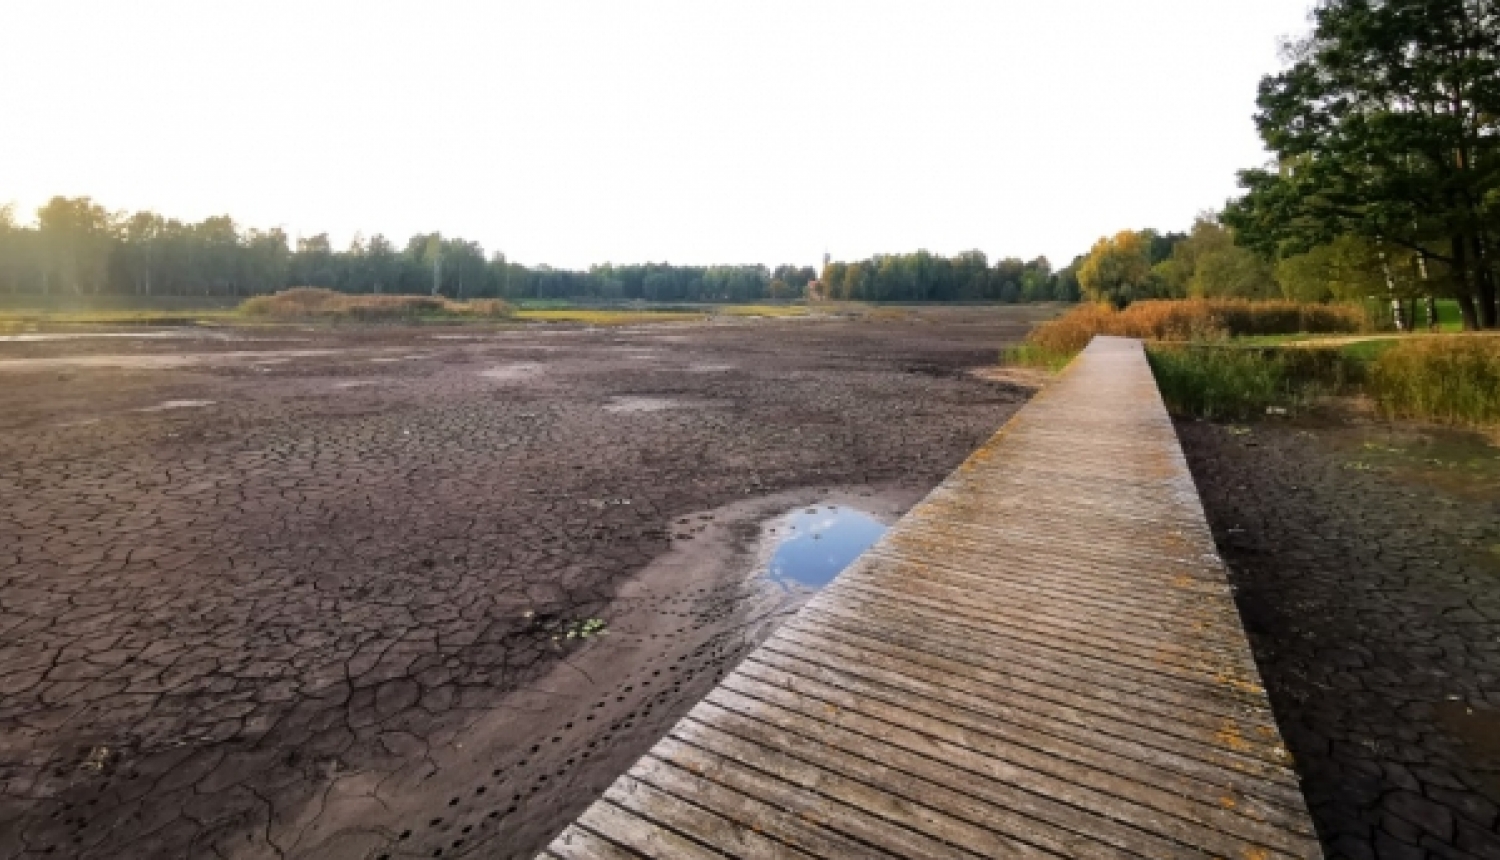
<point>586,628</point>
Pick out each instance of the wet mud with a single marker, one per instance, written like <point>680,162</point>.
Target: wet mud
<point>406,608</point>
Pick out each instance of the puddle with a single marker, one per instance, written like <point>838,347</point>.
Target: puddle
<point>511,372</point>
<point>709,368</point>
<point>354,383</point>
<point>167,405</point>
<point>812,545</point>
<point>638,404</point>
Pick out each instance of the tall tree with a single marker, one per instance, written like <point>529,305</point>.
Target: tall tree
<point>1118,269</point>
<point>76,236</point>
<point>1386,125</point>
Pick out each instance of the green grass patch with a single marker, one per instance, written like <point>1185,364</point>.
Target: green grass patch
<point>1036,355</point>
<point>1368,350</point>
<point>763,310</point>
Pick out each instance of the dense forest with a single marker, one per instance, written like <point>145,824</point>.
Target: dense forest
<point>924,277</point>
<point>76,247</point>
<point>1385,183</point>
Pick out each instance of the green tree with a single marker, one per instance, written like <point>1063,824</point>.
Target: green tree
<point>1350,269</point>
<point>1118,269</point>
<point>76,237</point>
<point>267,260</point>
<point>1386,125</point>
<point>1208,263</point>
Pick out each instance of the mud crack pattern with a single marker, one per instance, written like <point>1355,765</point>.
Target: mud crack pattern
<point>315,615</point>
<point>1372,600</point>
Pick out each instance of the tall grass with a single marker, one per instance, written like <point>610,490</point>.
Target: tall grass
<point>1193,319</point>
<point>1449,378</point>
<point>318,303</point>
<point>1228,381</point>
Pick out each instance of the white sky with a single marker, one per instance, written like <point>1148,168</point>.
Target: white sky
<point>701,131</point>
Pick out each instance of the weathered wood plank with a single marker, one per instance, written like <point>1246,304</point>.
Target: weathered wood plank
<point>1043,659</point>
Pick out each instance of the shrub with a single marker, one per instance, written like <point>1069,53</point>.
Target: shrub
<point>1450,378</point>
<point>1192,319</point>
<point>318,303</point>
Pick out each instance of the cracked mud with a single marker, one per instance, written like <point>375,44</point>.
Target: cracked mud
<point>415,608</point>
<point>1367,560</point>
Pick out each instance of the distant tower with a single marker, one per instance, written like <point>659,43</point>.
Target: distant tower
<point>826,259</point>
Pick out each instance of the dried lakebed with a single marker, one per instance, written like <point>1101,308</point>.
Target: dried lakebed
<point>364,609</point>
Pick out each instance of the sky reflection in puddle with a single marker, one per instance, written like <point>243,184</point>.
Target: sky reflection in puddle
<point>814,544</point>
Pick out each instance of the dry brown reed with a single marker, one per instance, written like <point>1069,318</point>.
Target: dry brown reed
<point>319,303</point>
<point>1194,319</point>
<point>1455,379</point>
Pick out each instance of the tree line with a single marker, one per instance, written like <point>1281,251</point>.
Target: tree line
<point>926,277</point>
<point>76,247</point>
<point>1385,131</point>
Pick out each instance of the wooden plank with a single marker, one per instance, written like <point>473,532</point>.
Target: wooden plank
<point>1111,745</point>
<point>1043,659</point>
<point>785,825</point>
<point>575,843</point>
<point>948,828</point>
<point>687,817</point>
<point>641,835</point>
<point>1032,817</point>
<point>1135,801</point>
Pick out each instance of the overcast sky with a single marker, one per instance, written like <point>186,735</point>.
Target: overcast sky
<point>702,131</point>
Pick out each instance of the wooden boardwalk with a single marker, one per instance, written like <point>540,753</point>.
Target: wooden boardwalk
<point>1043,659</point>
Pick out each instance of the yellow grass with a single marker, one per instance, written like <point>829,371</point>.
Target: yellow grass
<point>763,310</point>
<point>1193,319</point>
<point>1451,378</point>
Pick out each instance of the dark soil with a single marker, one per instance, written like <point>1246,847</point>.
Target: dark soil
<point>1367,563</point>
<point>286,592</point>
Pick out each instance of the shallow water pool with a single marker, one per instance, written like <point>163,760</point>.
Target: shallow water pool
<point>813,544</point>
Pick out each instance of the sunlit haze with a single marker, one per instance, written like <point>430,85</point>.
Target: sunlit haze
<point>572,133</point>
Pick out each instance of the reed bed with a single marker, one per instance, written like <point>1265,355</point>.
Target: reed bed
<point>319,303</point>
<point>1451,378</point>
<point>1193,319</point>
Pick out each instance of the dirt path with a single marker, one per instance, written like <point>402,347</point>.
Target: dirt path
<point>299,599</point>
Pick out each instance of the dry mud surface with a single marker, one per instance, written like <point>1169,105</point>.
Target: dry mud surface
<point>309,593</point>
<point>1367,565</point>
